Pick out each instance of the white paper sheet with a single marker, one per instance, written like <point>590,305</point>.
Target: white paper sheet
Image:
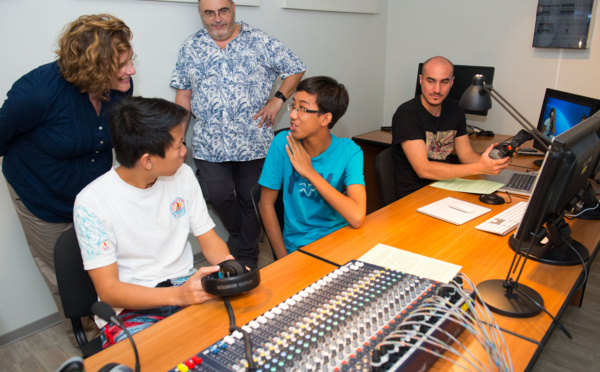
<point>411,263</point>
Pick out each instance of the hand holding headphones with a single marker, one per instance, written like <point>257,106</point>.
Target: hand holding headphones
<point>233,277</point>
<point>192,291</point>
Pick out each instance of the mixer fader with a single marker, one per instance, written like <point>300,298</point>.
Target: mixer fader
<point>342,322</point>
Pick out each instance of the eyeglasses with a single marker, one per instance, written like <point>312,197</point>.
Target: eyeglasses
<point>130,63</point>
<point>291,107</point>
<point>212,14</point>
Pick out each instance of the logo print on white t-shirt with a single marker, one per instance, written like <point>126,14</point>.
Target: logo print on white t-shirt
<point>178,208</point>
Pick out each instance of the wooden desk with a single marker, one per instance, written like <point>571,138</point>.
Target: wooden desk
<point>372,143</point>
<point>482,256</point>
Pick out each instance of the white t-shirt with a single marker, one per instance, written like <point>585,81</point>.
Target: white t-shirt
<point>144,230</point>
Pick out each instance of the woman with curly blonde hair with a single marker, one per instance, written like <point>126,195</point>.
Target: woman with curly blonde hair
<point>55,133</point>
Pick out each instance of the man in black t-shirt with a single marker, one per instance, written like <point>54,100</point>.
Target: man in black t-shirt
<point>427,128</point>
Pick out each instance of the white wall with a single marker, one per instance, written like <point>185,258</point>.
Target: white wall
<point>349,47</point>
<point>487,33</point>
<point>376,56</point>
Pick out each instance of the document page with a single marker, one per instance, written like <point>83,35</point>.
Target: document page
<point>411,263</point>
<point>468,186</point>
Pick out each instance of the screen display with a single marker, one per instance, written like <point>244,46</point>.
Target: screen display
<point>562,111</point>
<point>560,116</point>
<point>563,24</point>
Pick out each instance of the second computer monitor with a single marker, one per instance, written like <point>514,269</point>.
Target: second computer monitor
<point>463,77</point>
<point>572,158</point>
<point>562,111</point>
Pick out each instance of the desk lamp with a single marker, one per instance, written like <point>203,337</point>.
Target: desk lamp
<point>478,97</point>
<point>506,297</point>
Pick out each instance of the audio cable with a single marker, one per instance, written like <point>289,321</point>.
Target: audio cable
<point>247,341</point>
<point>418,331</point>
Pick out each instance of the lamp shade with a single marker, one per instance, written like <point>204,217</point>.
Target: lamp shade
<point>476,97</point>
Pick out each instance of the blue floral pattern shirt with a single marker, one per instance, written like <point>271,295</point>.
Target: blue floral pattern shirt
<point>228,88</point>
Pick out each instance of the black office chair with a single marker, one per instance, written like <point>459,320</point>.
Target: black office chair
<point>77,292</point>
<point>384,167</point>
<point>255,194</point>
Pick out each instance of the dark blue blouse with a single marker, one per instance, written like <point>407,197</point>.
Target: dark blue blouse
<point>53,142</point>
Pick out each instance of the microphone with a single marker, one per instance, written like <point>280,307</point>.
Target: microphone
<point>504,149</point>
<point>106,313</point>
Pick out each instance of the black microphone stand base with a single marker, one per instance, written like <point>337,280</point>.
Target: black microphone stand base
<point>508,301</point>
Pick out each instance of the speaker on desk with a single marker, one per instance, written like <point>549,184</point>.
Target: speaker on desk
<point>232,278</point>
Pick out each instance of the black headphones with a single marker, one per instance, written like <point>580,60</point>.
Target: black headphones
<point>75,364</point>
<point>232,278</point>
<point>115,367</point>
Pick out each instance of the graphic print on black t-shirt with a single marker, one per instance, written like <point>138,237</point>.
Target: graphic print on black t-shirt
<point>440,144</point>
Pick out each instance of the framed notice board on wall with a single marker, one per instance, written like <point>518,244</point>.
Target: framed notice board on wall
<point>562,24</point>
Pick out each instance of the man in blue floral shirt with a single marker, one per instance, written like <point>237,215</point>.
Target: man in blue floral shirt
<point>224,75</point>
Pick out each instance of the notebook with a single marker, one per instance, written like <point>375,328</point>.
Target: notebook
<point>453,210</point>
<point>515,182</point>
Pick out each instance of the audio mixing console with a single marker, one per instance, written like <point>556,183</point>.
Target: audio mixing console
<point>346,321</point>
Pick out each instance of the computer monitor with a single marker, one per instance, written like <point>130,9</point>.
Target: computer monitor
<point>562,111</point>
<point>463,78</point>
<point>572,158</point>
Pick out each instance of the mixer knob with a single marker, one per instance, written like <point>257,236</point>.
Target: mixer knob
<point>361,329</point>
<point>380,317</point>
<point>317,363</point>
<point>181,367</point>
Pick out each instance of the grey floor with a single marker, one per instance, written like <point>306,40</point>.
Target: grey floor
<point>47,350</point>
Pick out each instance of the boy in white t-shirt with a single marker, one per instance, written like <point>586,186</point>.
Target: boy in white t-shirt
<point>133,222</point>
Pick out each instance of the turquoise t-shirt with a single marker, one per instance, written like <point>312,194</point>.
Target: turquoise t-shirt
<point>307,216</point>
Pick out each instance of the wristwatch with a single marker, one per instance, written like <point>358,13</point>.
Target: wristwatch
<point>280,95</point>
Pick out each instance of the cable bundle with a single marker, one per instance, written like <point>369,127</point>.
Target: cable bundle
<point>432,329</point>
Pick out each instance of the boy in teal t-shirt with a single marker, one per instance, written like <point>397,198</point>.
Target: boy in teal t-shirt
<point>311,167</point>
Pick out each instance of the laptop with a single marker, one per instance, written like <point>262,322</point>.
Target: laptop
<point>515,182</point>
